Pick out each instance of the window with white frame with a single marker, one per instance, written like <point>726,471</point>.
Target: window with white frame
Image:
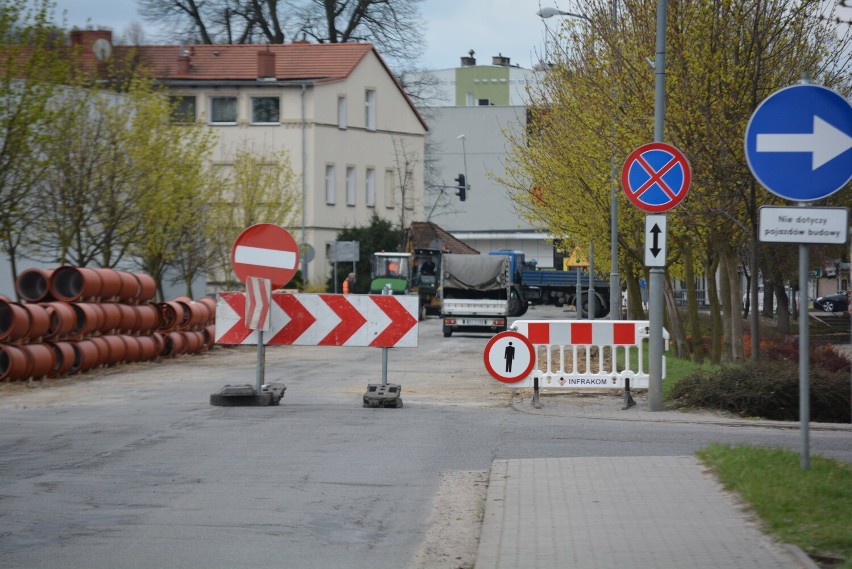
<point>341,112</point>
<point>371,187</point>
<point>350,185</point>
<point>329,184</point>
<point>408,193</point>
<point>370,109</point>
<point>265,110</point>
<point>223,110</point>
<point>390,189</point>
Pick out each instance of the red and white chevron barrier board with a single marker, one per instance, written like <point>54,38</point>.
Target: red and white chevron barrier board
<point>323,320</point>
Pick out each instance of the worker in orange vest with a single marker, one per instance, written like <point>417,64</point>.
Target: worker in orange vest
<point>348,282</point>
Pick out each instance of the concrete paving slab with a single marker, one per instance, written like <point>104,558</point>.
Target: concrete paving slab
<point>655,512</point>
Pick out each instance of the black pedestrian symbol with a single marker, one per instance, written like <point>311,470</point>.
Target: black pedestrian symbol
<point>509,355</point>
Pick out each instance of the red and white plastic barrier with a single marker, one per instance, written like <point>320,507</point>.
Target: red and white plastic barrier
<point>587,354</point>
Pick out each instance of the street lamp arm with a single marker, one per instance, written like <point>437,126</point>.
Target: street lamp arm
<point>549,12</point>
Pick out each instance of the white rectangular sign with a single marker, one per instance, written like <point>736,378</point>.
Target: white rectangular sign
<point>265,257</point>
<point>655,240</point>
<point>828,225</point>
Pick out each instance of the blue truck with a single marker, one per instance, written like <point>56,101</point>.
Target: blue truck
<point>549,286</point>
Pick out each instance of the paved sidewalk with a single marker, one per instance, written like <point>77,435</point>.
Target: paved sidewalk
<point>656,512</point>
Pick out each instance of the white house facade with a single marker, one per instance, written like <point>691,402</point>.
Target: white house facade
<point>352,134</point>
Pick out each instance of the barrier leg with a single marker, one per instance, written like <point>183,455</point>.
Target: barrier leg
<point>384,366</point>
<point>628,397</point>
<point>383,394</point>
<point>536,403</point>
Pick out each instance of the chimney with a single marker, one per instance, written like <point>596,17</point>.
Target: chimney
<point>85,39</point>
<point>500,60</point>
<point>265,64</point>
<point>183,60</point>
<point>468,61</point>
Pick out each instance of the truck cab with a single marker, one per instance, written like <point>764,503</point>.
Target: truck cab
<point>518,301</point>
<point>426,280</point>
<point>390,269</point>
<point>409,273</point>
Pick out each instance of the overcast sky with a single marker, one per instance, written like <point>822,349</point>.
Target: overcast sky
<point>489,27</point>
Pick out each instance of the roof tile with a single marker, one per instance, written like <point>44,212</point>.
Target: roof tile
<point>427,235</point>
<point>240,62</point>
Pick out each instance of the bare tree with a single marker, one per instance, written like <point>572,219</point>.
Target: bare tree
<point>133,34</point>
<point>393,26</point>
<point>406,160</point>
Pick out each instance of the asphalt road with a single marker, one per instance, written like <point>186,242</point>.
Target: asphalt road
<point>132,468</point>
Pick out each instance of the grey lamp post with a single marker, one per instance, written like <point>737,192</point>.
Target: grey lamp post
<point>614,285</point>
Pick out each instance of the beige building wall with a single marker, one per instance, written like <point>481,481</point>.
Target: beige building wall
<point>323,142</point>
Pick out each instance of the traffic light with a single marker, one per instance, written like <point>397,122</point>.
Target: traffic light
<point>462,193</point>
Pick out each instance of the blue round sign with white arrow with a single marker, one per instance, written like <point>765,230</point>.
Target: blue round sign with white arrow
<point>798,143</point>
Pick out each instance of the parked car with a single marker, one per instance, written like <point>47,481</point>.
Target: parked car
<point>838,302</point>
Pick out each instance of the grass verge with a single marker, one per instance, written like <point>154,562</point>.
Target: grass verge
<point>808,508</point>
<point>677,369</point>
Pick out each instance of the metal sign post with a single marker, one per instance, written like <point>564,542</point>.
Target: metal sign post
<point>384,394</point>
<point>264,256</point>
<point>804,350</point>
<point>344,251</point>
<point>656,177</point>
<point>797,144</point>
<point>258,310</point>
<point>590,305</point>
<point>655,300</point>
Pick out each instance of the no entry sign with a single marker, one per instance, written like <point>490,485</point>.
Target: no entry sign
<point>265,251</point>
<point>656,177</point>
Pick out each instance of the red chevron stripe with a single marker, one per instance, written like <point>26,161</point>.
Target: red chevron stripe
<point>238,332</point>
<point>350,320</point>
<point>300,319</point>
<point>257,311</point>
<point>401,321</point>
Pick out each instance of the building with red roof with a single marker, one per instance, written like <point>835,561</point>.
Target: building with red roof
<point>352,134</point>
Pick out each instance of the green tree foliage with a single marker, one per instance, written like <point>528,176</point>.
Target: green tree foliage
<point>123,183</point>
<point>256,186</point>
<point>596,102</point>
<point>380,235</point>
<point>92,170</point>
<point>172,161</point>
<point>29,77</point>
<point>86,198</point>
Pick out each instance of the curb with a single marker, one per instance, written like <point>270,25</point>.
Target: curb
<point>523,404</point>
<point>801,557</point>
<point>487,554</point>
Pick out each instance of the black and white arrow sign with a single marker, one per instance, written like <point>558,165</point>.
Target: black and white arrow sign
<point>655,240</point>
